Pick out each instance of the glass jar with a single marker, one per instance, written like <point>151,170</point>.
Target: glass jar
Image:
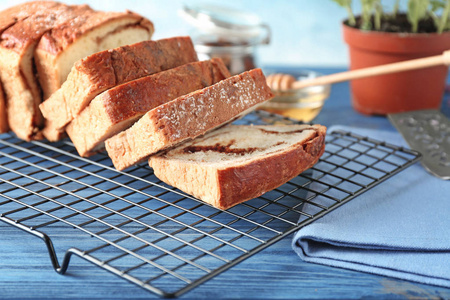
<point>227,33</point>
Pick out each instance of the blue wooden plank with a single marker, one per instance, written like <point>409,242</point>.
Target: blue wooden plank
<point>275,272</point>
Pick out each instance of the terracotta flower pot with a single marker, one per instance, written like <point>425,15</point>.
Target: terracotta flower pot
<point>398,92</point>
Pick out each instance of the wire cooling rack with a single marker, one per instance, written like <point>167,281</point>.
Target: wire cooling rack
<point>154,235</point>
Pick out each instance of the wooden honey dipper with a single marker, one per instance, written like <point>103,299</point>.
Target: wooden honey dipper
<point>282,82</point>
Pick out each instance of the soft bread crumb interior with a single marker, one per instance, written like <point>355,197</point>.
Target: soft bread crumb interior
<point>235,144</point>
<point>101,39</point>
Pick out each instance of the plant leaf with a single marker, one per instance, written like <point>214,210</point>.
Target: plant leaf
<point>437,4</point>
<point>417,10</point>
<point>343,3</point>
<point>367,9</point>
<point>443,22</point>
<point>347,4</point>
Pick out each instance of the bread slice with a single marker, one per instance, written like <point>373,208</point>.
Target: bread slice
<point>118,108</point>
<point>51,133</point>
<point>8,18</point>
<point>237,163</point>
<point>187,117</point>
<point>16,66</point>
<point>103,70</point>
<point>89,33</point>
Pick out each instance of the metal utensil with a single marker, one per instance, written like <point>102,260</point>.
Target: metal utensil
<point>427,131</point>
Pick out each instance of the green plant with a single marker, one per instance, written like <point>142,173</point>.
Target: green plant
<point>347,4</point>
<point>372,13</point>
<point>370,7</point>
<point>442,22</point>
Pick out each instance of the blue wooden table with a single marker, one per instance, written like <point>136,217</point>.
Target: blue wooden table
<point>276,272</point>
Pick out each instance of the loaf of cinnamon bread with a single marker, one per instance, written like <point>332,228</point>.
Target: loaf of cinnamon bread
<point>187,117</point>
<point>8,18</point>
<point>40,41</point>
<point>16,66</point>
<point>88,33</point>
<point>106,69</point>
<point>118,108</point>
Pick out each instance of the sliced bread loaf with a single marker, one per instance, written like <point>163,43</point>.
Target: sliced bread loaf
<point>8,18</point>
<point>187,117</point>
<point>16,66</point>
<point>103,70</point>
<point>237,163</point>
<point>118,108</point>
<point>89,33</point>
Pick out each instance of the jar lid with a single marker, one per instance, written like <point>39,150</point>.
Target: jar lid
<point>226,22</point>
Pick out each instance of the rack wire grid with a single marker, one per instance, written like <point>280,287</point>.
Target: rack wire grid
<point>159,238</point>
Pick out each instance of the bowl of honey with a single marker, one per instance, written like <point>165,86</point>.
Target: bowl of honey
<point>299,104</point>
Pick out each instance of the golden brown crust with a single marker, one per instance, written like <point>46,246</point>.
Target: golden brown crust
<point>21,88</point>
<point>8,18</point>
<point>221,171</point>
<point>88,33</point>
<point>28,31</point>
<point>251,180</point>
<point>144,59</point>
<point>14,14</point>
<point>161,87</point>
<point>188,117</point>
<point>191,116</point>
<point>57,39</point>
<point>106,69</point>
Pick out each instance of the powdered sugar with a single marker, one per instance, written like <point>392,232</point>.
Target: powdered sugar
<point>194,114</point>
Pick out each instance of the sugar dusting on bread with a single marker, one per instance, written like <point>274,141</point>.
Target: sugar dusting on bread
<point>194,111</point>
<point>188,117</point>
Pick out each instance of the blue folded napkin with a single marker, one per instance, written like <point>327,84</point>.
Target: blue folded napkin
<point>400,228</point>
